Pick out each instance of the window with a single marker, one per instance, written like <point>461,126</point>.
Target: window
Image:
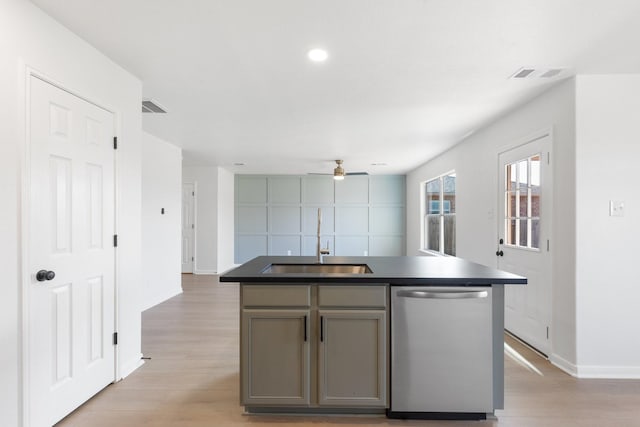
<point>439,214</point>
<point>522,203</point>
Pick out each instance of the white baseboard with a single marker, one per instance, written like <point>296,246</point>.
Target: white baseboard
<point>564,365</point>
<point>595,371</point>
<point>230,268</point>
<point>609,372</point>
<point>222,271</point>
<point>127,368</point>
<point>204,272</point>
<point>161,299</point>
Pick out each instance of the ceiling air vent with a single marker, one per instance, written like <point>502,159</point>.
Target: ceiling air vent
<point>151,106</point>
<point>523,73</point>
<point>552,72</point>
<point>535,73</point>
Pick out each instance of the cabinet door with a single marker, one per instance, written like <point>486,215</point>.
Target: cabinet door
<point>275,357</point>
<point>352,362</point>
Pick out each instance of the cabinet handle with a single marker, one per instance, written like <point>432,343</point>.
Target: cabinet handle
<point>321,329</point>
<point>305,328</point>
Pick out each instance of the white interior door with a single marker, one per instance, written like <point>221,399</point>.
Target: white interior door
<point>524,234</point>
<point>69,334</point>
<point>188,227</point>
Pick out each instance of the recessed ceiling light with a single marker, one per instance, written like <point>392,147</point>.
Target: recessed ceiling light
<point>318,55</point>
<point>238,164</point>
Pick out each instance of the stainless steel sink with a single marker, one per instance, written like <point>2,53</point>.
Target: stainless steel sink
<point>318,268</point>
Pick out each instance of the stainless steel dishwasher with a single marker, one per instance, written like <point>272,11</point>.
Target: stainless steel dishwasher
<point>441,352</point>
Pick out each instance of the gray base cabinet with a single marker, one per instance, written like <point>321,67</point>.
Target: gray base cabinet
<point>275,357</point>
<point>352,358</point>
<point>314,346</point>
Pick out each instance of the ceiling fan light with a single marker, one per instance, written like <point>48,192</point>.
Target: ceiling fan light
<point>338,172</point>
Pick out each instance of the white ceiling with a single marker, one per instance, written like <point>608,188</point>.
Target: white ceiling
<point>405,80</point>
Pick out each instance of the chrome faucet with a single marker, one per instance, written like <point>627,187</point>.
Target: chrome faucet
<point>320,252</point>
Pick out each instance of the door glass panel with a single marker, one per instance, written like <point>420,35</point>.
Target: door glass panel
<point>511,232</point>
<point>535,233</point>
<point>511,204</point>
<point>536,189</point>
<point>510,175</point>
<point>535,205</point>
<point>522,202</point>
<point>523,175</point>
<point>523,232</point>
<point>535,171</point>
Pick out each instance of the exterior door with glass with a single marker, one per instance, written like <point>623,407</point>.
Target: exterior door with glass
<point>524,234</point>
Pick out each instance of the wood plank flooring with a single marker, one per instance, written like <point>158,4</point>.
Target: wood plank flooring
<point>192,380</point>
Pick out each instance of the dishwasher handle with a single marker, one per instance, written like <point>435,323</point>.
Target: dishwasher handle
<point>443,294</point>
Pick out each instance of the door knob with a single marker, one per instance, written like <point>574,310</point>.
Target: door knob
<point>43,275</point>
<point>499,253</point>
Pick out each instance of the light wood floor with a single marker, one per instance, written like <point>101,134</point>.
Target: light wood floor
<point>192,379</point>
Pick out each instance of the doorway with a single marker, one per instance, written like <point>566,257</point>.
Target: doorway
<point>524,237</point>
<point>70,300</point>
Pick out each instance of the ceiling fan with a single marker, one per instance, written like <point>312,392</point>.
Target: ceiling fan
<point>339,173</point>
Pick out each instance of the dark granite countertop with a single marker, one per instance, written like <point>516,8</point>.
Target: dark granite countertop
<point>400,270</point>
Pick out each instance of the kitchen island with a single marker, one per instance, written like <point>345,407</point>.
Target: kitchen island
<point>406,336</point>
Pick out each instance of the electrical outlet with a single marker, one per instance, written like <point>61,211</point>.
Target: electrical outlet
<point>616,208</point>
<point>288,253</point>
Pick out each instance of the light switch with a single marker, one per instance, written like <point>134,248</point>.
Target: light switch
<point>616,208</point>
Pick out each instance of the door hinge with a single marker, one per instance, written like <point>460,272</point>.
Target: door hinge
<point>115,142</point>
<point>115,240</point>
<point>547,332</point>
<point>547,245</point>
<point>548,157</point>
<point>193,193</point>
<point>193,226</point>
<point>115,338</point>
<point>192,259</point>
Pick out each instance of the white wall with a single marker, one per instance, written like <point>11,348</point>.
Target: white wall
<point>608,291</point>
<point>29,38</point>
<point>206,247</point>
<point>161,233</point>
<point>10,149</point>
<point>476,164</point>
<point>226,220</point>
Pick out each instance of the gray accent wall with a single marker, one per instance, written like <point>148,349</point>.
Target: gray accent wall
<point>362,215</point>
